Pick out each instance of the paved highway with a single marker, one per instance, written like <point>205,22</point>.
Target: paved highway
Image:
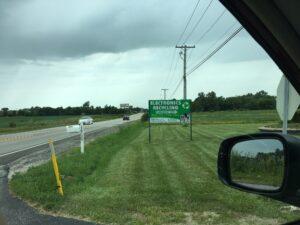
<point>13,143</point>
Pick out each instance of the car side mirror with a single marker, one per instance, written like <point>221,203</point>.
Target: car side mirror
<point>264,163</point>
<point>258,163</point>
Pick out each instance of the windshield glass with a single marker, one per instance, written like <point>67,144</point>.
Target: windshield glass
<point>163,83</point>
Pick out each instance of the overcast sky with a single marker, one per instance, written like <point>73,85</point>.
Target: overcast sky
<point>65,52</point>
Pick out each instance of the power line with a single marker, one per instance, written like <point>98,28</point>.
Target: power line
<point>172,72</point>
<point>220,38</point>
<point>193,29</point>
<point>186,26</point>
<point>175,80</point>
<point>217,40</point>
<point>208,30</point>
<point>179,39</point>
<point>215,50</point>
<point>170,68</point>
<point>181,79</point>
<point>211,26</point>
<point>199,20</point>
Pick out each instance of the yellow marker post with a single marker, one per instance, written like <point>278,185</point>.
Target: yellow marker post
<point>55,168</point>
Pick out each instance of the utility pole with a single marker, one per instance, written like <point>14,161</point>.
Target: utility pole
<point>184,47</point>
<point>165,92</point>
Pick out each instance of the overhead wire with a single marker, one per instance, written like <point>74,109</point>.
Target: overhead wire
<point>217,40</point>
<point>207,31</point>
<point>198,22</point>
<point>187,24</point>
<point>173,72</point>
<point>211,26</point>
<point>189,35</point>
<point>172,66</point>
<point>201,37</point>
<point>180,81</point>
<point>215,51</point>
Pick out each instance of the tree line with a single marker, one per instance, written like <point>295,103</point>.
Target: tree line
<point>211,102</point>
<point>204,102</point>
<point>85,109</point>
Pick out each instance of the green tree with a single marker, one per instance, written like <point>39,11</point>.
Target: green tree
<point>86,104</point>
<point>5,111</point>
<point>211,102</point>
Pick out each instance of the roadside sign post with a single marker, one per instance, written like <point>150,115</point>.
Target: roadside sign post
<point>78,129</point>
<point>287,102</point>
<point>81,138</point>
<point>286,108</point>
<point>149,128</point>
<point>169,111</point>
<point>191,128</point>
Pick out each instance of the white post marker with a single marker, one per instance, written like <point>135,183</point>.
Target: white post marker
<point>79,129</point>
<point>81,138</point>
<point>287,102</point>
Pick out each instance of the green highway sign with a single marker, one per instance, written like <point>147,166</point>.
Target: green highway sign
<point>169,111</point>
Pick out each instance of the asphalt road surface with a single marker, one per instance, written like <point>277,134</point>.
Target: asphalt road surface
<point>13,143</point>
<point>15,212</point>
<point>12,146</point>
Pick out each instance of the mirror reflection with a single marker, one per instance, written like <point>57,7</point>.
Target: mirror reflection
<point>258,164</point>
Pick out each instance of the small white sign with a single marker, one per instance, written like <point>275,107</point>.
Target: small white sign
<point>124,106</point>
<point>73,129</point>
<point>164,120</point>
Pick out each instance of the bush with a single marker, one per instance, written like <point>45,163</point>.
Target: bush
<point>12,124</point>
<point>144,117</point>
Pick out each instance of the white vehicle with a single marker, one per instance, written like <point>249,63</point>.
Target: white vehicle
<point>86,120</point>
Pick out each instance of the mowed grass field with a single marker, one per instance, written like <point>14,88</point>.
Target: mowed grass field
<point>122,179</point>
<point>27,123</point>
<point>237,117</point>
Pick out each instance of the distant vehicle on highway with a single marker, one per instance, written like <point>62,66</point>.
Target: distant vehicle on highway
<point>126,117</point>
<point>86,120</point>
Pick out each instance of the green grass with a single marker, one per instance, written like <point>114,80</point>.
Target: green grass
<point>27,123</point>
<point>234,117</point>
<point>266,171</point>
<point>121,179</point>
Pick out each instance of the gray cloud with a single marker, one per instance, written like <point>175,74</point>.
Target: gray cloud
<point>64,52</point>
<point>47,29</point>
<point>32,29</point>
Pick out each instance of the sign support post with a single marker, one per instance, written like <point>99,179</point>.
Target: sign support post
<point>191,127</point>
<point>286,108</point>
<point>81,138</point>
<point>149,129</point>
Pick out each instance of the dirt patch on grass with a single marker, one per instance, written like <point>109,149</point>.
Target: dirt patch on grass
<point>251,219</point>
<point>290,208</point>
<point>206,217</point>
